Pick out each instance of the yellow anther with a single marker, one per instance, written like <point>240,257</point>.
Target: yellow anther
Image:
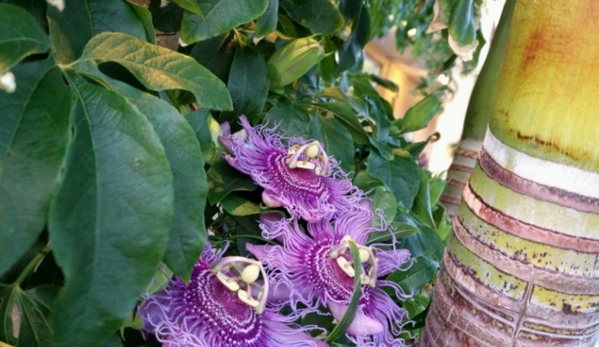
<point>305,165</point>
<point>346,266</point>
<point>312,150</point>
<point>364,254</point>
<point>250,273</point>
<point>246,297</point>
<point>228,281</point>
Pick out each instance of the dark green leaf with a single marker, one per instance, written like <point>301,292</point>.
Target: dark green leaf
<point>349,315</point>
<point>215,54</point>
<point>422,271</point>
<point>20,36</point>
<point>223,179</point>
<point>145,18</point>
<point>397,229</point>
<point>166,17</point>
<point>26,312</point>
<point>352,50</point>
<point>71,29</point>
<point>290,118</point>
<point>426,242</point>
<point>400,175</point>
<point>109,223</point>
<point>337,140</point>
<point>348,117</point>
<point>384,201</point>
<point>350,8</point>
<point>366,182</point>
<point>416,305</point>
<point>248,84</point>
<point>188,234</point>
<point>267,23</point>
<point>420,114</point>
<point>220,16</point>
<point>320,16</point>
<point>157,68</point>
<point>33,142</point>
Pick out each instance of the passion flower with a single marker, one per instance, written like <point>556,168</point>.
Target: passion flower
<point>316,269</point>
<point>297,175</point>
<point>222,306</point>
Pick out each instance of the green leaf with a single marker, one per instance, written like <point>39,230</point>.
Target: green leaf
<point>267,23</point>
<point>26,312</point>
<point>400,175</point>
<point>320,16</point>
<point>398,230</point>
<point>461,23</point>
<point>350,314</point>
<point>81,20</point>
<point>33,142</point>
<point>215,54</point>
<point>109,223</point>
<point>426,242</point>
<point>145,18</point>
<point>206,130</point>
<point>352,50</point>
<point>384,201</point>
<point>223,179</point>
<point>188,234</point>
<point>337,140</point>
<point>238,206</point>
<point>422,208</point>
<point>291,118</point>
<point>20,36</point>
<point>419,115</point>
<point>422,271</point>
<point>220,16</point>
<point>248,84</point>
<point>366,182</point>
<point>157,68</point>
<point>348,117</point>
<point>191,6</point>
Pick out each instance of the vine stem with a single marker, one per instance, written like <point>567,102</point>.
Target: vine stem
<point>32,264</point>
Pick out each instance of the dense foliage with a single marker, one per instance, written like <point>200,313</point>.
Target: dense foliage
<point>112,159</point>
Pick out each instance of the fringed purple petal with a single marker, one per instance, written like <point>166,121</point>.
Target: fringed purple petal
<point>392,260</point>
<point>361,325</point>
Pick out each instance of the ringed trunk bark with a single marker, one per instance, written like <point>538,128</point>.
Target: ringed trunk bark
<point>477,115</point>
<point>522,265</point>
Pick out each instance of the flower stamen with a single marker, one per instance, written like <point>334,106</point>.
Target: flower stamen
<point>239,275</point>
<point>367,257</point>
<point>310,156</point>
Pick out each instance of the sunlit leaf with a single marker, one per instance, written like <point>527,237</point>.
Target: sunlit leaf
<point>157,68</point>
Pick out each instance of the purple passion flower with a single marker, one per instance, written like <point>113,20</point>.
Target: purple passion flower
<point>222,306</point>
<point>300,176</point>
<point>317,269</point>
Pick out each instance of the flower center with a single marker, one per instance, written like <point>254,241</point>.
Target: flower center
<point>368,261</point>
<point>239,275</point>
<point>310,156</point>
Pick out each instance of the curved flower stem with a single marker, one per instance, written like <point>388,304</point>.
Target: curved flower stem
<point>32,264</point>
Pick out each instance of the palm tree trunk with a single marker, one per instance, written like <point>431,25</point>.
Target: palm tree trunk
<point>522,265</point>
<point>477,115</point>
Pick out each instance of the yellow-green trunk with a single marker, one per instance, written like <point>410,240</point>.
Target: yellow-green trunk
<point>477,114</point>
<point>522,265</point>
